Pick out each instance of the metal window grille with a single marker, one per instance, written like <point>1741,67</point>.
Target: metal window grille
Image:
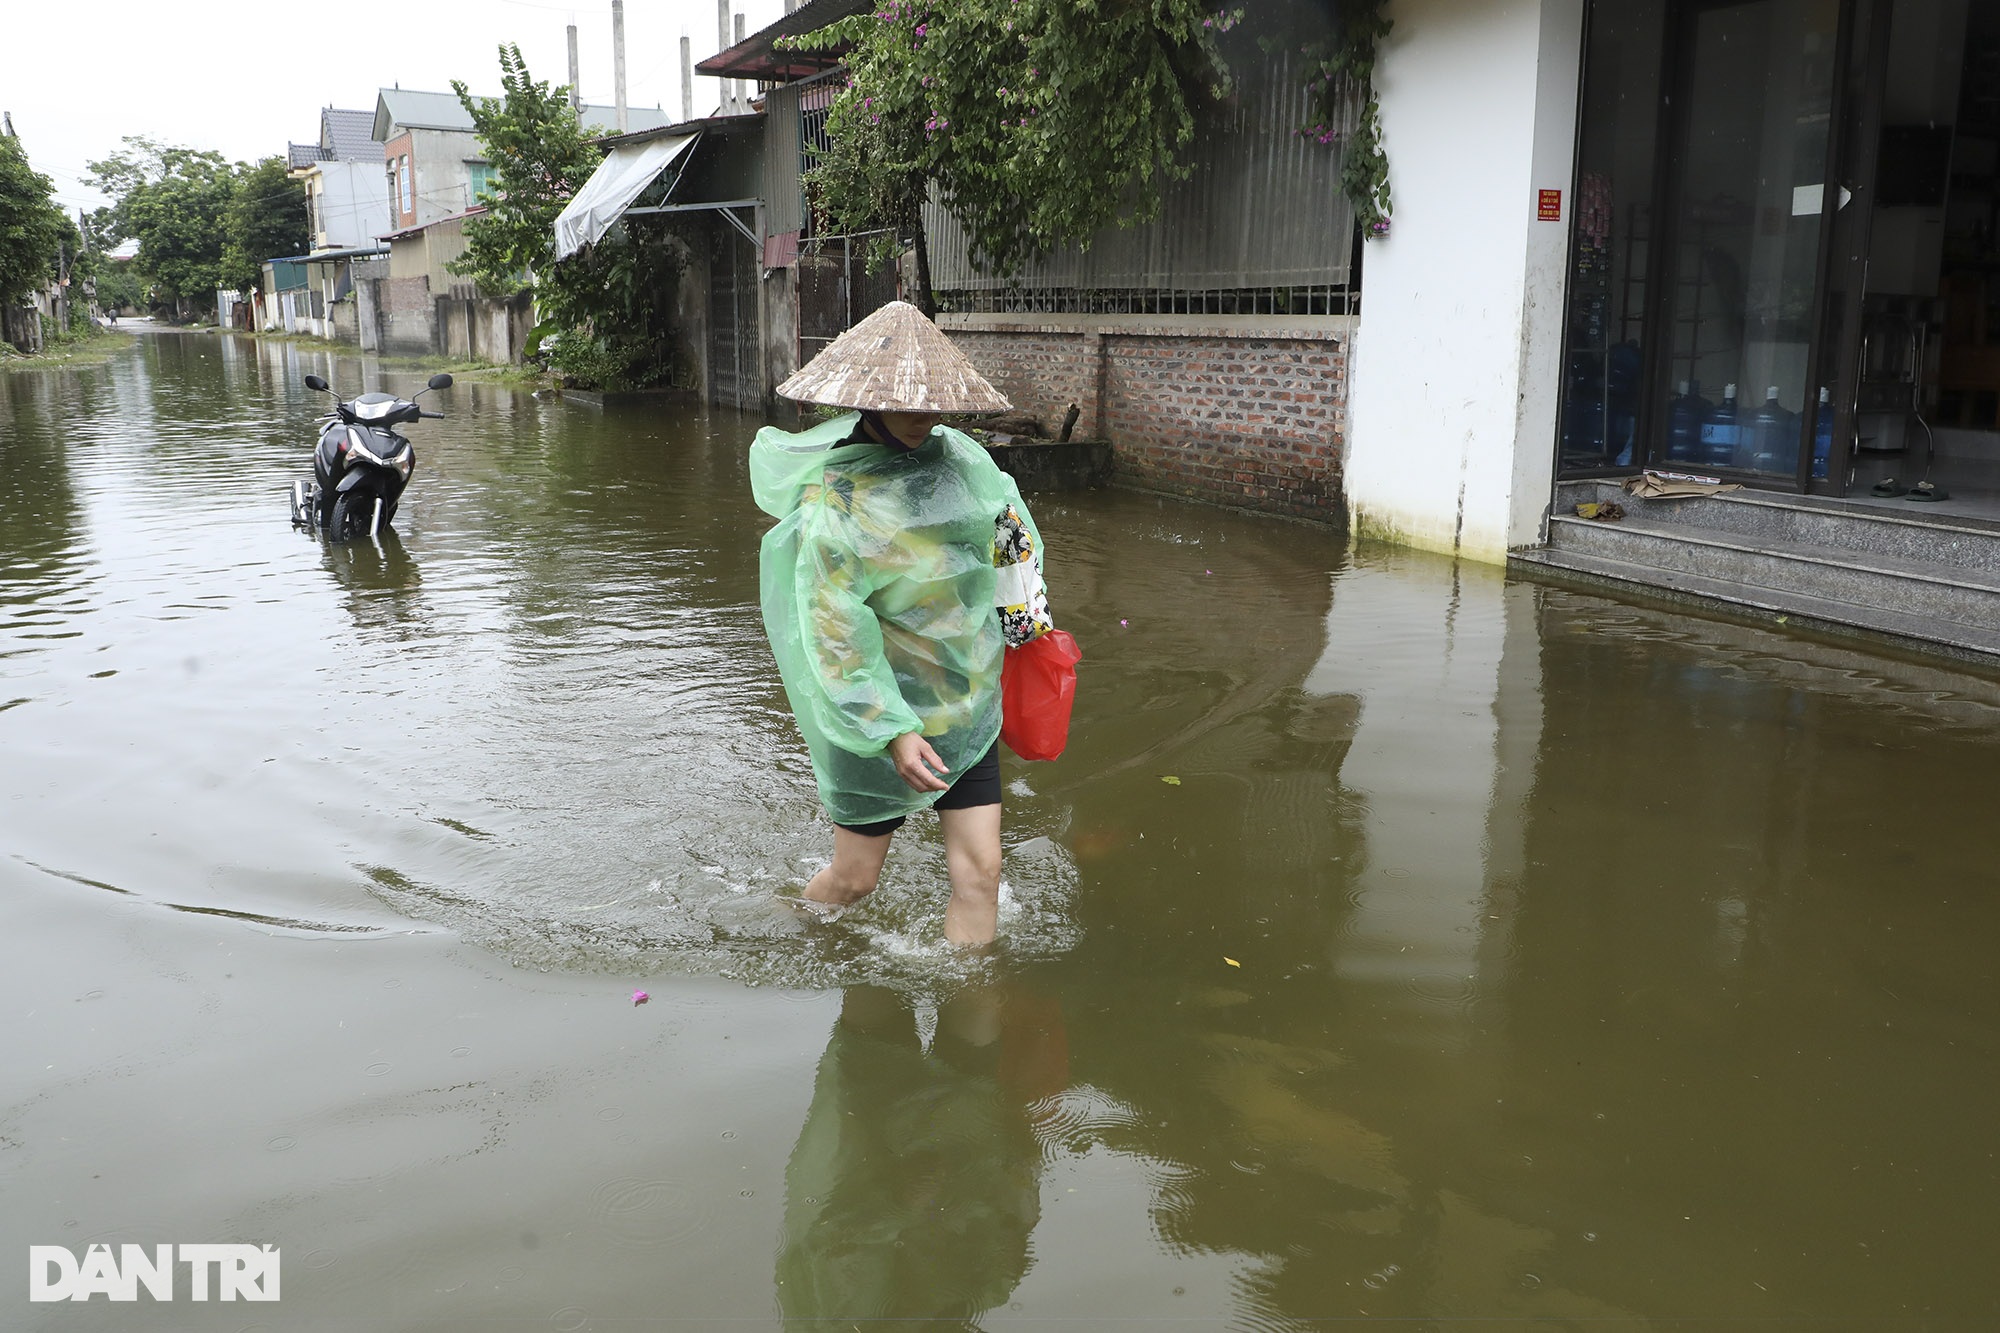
<point>1319,299</point>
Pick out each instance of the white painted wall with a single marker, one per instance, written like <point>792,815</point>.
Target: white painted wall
<point>1456,378</point>
<point>353,204</point>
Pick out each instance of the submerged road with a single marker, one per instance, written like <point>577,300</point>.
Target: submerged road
<point>1393,942</point>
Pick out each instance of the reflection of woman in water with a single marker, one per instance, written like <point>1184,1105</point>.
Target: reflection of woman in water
<point>916,1180</point>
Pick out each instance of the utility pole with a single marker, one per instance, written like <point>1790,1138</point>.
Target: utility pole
<point>89,284</point>
<point>618,58</point>
<point>575,77</point>
<point>687,76</point>
<point>721,45</point>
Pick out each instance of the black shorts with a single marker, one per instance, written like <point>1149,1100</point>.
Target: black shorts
<point>978,785</point>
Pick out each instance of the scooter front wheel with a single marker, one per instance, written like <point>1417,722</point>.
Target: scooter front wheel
<point>353,511</point>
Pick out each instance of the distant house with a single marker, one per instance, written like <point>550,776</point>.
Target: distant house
<point>284,298</point>
<point>434,172</point>
<point>709,176</point>
<point>342,173</point>
<point>431,157</point>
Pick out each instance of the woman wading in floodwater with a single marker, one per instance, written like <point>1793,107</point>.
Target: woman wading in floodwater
<point>879,594</point>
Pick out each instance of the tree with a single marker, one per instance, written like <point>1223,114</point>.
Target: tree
<point>118,286</point>
<point>266,218</point>
<point>32,225</point>
<point>173,201</point>
<point>540,158</point>
<point>1038,122</point>
<point>609,307</point>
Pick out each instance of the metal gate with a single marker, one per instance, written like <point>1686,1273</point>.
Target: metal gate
<point>735,346</point>
<point>836,290</point>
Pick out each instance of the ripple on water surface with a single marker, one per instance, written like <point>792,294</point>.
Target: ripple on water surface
<point>538,712</point>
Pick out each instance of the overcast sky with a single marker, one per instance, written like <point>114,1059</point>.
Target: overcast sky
<point>245,78</point>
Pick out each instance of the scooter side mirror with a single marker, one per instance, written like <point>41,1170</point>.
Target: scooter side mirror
<point>315,382</point>
<point>440,381</point>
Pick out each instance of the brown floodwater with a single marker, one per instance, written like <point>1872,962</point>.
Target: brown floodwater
<point>1394,942</point>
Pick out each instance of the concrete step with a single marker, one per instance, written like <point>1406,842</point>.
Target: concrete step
<point>1889,583</point>
<point>1974,643</point>
<point>1929,536</point>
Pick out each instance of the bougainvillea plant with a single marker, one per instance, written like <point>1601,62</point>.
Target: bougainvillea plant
<point>1341,80</point>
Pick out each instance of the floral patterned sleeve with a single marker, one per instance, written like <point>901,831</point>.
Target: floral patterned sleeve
<point>1019,594</point>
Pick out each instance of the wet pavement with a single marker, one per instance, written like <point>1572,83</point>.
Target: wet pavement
<point>1394,942</point>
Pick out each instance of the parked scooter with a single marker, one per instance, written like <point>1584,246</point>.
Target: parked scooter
<point>361,465</point>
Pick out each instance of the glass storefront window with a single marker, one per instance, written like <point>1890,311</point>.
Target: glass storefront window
<point>1749,180</point>
<point>1605,351</point>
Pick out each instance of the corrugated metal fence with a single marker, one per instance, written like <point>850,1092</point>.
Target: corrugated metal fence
<point>1262,210</point>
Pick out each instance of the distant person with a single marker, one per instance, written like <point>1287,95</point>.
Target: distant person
<point>879,600</point>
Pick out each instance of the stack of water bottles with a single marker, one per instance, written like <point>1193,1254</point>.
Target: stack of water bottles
<point>1723,435</point>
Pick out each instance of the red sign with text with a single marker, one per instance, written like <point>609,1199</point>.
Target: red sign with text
<point>1551,206</point>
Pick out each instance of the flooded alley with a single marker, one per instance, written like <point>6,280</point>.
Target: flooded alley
<point>1394,941</point>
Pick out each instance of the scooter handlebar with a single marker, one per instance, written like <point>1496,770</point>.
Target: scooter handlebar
<point>436,416</point>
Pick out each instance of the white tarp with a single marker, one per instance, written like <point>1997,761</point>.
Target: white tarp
<point>625,171</point>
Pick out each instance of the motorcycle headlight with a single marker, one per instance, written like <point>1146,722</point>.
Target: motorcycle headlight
<point>405,461</point>
<point>357,447</point>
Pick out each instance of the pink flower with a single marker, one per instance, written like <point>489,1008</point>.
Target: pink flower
<point>640,997</point>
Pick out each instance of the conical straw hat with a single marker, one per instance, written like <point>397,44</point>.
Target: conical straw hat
<point>894,361</point>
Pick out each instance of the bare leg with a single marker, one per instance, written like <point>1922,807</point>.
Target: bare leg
<point>857,865</point>
<point>972,855</point>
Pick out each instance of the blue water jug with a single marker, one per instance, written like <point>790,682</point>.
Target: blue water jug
<point>1685,413</point>
<point>1623,367</point>
<point>1770,442</point>
<point>1720,433</point>
<point>1823,434</point>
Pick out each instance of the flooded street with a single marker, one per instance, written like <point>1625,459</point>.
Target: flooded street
<point>1393,941</point>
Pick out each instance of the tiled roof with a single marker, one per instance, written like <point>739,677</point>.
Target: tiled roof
<point>349,135</point>
<point>302,155</point>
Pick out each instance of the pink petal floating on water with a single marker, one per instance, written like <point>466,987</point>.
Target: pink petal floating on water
<point>1122,622</point>
<point>640,997</point>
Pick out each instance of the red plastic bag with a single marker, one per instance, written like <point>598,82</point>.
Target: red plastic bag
<point>1037,687</point>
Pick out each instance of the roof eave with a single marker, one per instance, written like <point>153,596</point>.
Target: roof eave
<point>757,56</point>
<point>724,124</point>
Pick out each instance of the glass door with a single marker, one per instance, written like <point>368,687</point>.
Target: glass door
<point>1737,373</point>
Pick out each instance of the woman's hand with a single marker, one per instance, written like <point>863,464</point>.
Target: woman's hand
<point>917,763</point>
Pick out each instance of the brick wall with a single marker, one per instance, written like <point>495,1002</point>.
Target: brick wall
<point>1244,411</point>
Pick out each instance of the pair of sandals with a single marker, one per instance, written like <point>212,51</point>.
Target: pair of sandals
<point>1889,487</point>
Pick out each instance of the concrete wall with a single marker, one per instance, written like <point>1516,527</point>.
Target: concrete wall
<point>342,318</point>
<point>1457,372</point>
<point>1247,411</point>
<point>21,326</point>
<point>396,316</point>
<point>481,329</point>
<point>780,295</point>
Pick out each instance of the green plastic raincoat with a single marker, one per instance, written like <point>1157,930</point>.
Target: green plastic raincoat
<point>878,585</point>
